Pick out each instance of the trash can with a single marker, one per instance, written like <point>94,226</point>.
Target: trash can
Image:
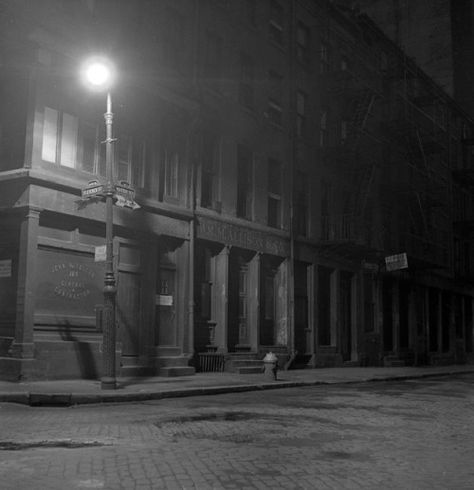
<point>270,363</point>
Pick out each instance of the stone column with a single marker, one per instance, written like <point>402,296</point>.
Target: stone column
<point>254,302</point>
<point>23,346</point>
<point>221,298</point>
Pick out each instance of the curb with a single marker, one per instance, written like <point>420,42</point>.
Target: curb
<point>70,399</point>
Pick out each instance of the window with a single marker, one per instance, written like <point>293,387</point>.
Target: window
<point>244,182</point>
<point>276,22</point>
<point>343,132</point>
<point>344,64</point>
<point>323,128</point>
<point>209,171</point>
<point>89,148</point>
<point>301,203</point>
<point>274,109</point>
<point>246,89</point>
<point>77,144</point>
<point>301,103</point>
<point>274,193</point>
<point>141,157</point>
<point>123,162</point>
<point>213,55</point>
<point>60,131</point>
<point>171,170</point>
<point>324,58</point>
<point>302,43</point>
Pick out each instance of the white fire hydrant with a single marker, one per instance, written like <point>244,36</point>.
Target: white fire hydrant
<point>270,362</point>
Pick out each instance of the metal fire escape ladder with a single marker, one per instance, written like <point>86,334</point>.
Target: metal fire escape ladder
<point>362,111</point>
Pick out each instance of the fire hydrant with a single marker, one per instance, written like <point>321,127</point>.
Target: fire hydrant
<point>270,362</point>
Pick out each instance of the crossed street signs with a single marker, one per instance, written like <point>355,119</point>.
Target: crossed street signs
<point>124,194</point>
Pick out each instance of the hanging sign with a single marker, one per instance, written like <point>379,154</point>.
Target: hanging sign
<point>6,268</point>
<point>100,254</point>
<point>396,262</point>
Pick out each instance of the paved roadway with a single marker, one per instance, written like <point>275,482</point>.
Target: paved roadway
<point>416,434</point>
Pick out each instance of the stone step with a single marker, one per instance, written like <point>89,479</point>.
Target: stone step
<point>246,363</point>
<point>164,361</point>
<point>173,371</point>
<point>250,369</point>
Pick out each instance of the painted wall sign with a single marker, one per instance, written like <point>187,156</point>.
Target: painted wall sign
<point>239,236</point>
<point>6,268</point>
<point>67,284</point>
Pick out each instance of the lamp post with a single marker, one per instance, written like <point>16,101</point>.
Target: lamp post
<point>98,74</point>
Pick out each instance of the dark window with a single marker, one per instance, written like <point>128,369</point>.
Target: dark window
<point>244,182</point>
<point>301,103</point>
<point>324,58</point>
<point>302,43</point>
<point>209,171</point>
<point>274,108</point>
<point>246,88</point>
<point>323,128</point>
<point>301,204</point>
<point>274,193</point>
<point>276,22</point>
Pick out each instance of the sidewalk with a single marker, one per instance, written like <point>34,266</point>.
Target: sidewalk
<point>73,392</point>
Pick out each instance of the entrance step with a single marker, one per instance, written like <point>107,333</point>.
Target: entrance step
<point>250,369</point>
<point>393,361</point>
<point>172,371</point>
<point>351,364</point>
<point>243,362</point>
<point>173,365</point>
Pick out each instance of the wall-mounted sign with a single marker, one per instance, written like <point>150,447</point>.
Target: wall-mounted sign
<point>6,268</point>
<point>100,254</point>
<point>231,234</point>
<point>164,300</point>
<point>396,262</point>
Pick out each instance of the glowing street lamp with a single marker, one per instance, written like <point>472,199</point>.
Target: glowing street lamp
<point>99,74</point>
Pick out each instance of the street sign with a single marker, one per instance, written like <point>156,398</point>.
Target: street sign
<point>125,190</point>
<point>396,262</point>
<point>93,188</point>
<point>100,254</point>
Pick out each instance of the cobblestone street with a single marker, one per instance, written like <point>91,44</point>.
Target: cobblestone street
<point>390,435</point>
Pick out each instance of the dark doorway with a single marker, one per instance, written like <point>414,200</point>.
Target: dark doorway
<point>324,305</point>
<point>301,308</point>
<point>404,301</point>
<point>267,321</point>
<point>387,305</point>
<point>433,320</point>
<point>346,315</point>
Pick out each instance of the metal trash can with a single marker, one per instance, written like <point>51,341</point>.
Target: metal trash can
<point>270,362</point>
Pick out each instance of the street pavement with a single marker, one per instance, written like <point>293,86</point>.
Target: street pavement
<point>72,392</point>
<point>398,434</point>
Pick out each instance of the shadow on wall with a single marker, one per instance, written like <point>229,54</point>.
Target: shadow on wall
<point>86,361</point>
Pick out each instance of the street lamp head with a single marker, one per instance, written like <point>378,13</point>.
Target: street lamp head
<point>98,73</point>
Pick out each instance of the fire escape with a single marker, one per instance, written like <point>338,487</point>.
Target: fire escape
<point>463,177</point>
<point>417,186</point>
<point>351,159</point>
